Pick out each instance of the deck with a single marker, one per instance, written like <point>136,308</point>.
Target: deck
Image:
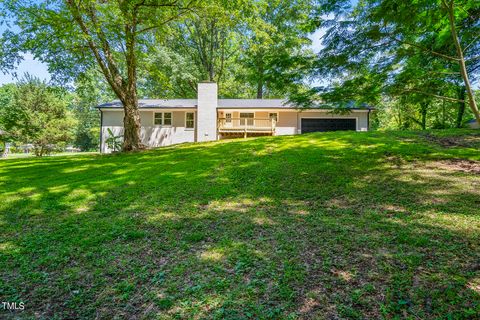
<point>246,126</point>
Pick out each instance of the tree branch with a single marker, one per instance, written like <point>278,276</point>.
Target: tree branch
<point>432,95</point>
<point>182,11</point>
<point>438,54</point>
<point>473,58</point>
<point>78,18</point>
<point>471,43</point>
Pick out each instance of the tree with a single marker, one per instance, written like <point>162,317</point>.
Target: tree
<point>73,37</point>
<point>38,115</point>
<point>201,47</point>
<point>207,38</point>
<point>373,41</point>
<point>453,15</point>
<point>250,48</point>
<point>7,93</point>
<point>89,92</point>
<point>275,53</point>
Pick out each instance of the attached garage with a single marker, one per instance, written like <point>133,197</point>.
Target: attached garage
<point>330,124</point>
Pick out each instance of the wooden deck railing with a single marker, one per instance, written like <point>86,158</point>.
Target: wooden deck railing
<point>246,125</point>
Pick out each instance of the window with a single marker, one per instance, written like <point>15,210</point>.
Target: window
<point>158,118</point>
<point>189,120</point>
<point>167,118</point>
<point>273,115</point>
<point>247,115</point>
<point>162,118</point>
<point>228,117</point>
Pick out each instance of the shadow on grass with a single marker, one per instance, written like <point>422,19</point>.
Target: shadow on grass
<point>323,225</point>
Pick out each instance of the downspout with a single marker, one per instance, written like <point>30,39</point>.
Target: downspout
<point>368,119</point>
<point>101,130</point>
<point>298,129</point>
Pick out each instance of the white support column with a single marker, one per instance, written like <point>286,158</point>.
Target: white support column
<point>207,111</point>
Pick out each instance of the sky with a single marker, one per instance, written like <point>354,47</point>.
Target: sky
<point>28,65</point>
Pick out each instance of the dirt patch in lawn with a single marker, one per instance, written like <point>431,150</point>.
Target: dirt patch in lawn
<point>462,165</point>
<point>468,141</point>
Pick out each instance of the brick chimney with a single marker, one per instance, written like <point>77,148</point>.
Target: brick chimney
<point>207,102</point>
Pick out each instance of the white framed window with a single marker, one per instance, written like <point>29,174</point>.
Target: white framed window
<point>189,120</point>
<point>158,118</point>
<point>228,120</point>
<point>248,117</point>
<point>162,118</point>
<point>273,115</point>
<point>167,118</point>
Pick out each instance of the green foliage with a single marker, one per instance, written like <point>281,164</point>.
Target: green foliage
<point>398,55</point>
<point>7,93</point>
<point>89,92</point>
<point>38,115</point>
<point>251,48</point>
<point>113,141</point>
<point>109,36</point>
<point>276,53</point>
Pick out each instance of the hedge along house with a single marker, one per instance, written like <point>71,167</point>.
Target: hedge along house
<point>207,118</point>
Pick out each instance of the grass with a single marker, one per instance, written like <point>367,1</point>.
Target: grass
<point>30,155</point>
<point>328,225</point>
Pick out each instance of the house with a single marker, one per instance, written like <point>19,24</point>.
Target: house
<point>207,118</point>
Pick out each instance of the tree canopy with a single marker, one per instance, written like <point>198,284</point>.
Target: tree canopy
<point>416,62</point>
<point>73,37</point>
<point>38,114</point>
<point>160,48</point>
<point>421,52</point>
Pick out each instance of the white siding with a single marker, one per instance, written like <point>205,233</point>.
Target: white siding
<point>287,123</point>
<point>150,134</point>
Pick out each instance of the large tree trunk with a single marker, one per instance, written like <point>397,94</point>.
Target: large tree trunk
<point>444,115</point>
<point>423,111</point>
<point>5,150</point>
<point>461,62</point>
<point>124,89</point>
<point>131,124</point>
<point>461,107</point>
<point>260,89</point>
<point>131,119</point>
<point>260,74</point>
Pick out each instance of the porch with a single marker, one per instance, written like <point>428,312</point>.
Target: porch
<point>238,127</point>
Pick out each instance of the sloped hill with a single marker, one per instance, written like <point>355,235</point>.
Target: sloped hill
<point>333,225</point>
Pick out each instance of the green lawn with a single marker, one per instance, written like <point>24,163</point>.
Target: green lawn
<point>30,155</point>
<point>333,225</point>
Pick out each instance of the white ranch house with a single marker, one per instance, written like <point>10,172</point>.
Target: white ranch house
<point>207,118</point>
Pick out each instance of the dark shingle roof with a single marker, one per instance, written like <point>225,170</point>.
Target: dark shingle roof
<point>222,104</point>
<point>156,103</point>
<point>254,103</point>
<point>192,103</point>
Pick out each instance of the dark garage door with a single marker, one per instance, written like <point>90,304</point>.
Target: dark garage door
<point>314,125</point>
